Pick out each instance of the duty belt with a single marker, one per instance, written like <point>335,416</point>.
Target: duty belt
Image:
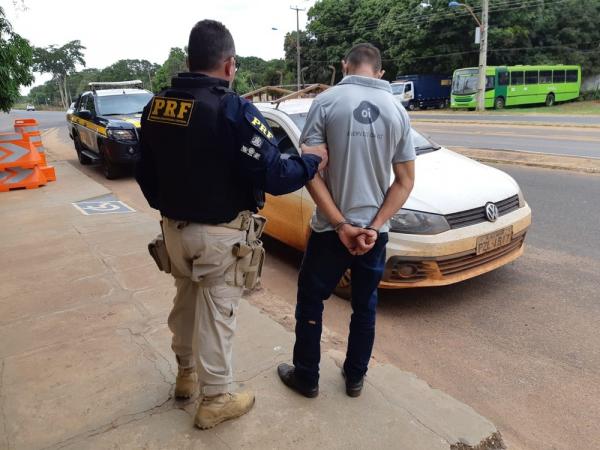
<point>249,254</point>
<point>241,222</point>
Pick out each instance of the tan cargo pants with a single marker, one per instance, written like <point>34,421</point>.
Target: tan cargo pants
<point>203,318</point>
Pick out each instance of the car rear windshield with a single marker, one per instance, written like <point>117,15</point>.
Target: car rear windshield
<point>422,144</point>
<point>122,103</point>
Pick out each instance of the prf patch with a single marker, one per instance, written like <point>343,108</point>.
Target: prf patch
<point>173,111</point>
<point>260,127</point>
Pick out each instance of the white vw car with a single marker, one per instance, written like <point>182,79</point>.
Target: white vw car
<point>462,219</point>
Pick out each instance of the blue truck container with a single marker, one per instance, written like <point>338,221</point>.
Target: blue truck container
<point>422,91</point>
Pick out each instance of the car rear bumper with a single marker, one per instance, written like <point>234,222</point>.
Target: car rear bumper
<point>450,257</point>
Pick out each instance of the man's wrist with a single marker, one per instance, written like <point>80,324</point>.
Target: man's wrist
<point>372,228</point>
<point>375,225</point>
<point>338,226</point>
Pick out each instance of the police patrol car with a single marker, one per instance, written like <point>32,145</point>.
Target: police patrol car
<point>104,124</point>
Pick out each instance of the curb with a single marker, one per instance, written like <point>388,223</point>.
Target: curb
<point>531,159</point>
<point>498,122</point>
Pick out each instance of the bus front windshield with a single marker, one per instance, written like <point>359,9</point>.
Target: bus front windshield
<point>465,82</point>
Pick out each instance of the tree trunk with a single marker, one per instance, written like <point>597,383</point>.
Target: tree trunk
<point>67,94</point>
<point>60,91</point>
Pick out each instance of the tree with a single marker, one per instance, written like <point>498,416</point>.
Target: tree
<point>16,58</point>
<point>60,62</point>
<point>45,94</point>
<point>255,72</point>
<point>78,82</point>
<point>131,69</point>
<point>242,84</point>
<point>175,63</point>
<point>437,39</point>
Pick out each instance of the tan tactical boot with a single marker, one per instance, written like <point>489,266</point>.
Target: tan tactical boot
<point>186,382</point>
<point>214,410</point>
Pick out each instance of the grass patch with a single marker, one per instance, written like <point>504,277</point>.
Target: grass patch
<point>589,107</point>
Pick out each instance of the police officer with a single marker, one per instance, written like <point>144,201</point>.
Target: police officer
<point>207,156</point>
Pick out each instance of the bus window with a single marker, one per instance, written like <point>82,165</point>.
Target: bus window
<point>516,78</point>
<point>545,76</point>
<point>558,76</point>
<point>489,82</point>
<point>572,76</point>
<point>503,79</point>
<point>531,77</point>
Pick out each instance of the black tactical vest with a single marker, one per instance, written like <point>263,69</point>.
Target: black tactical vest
<point>195,153</point>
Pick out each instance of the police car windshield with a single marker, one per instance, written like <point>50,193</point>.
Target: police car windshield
<point>422,144</point>
<point>122,103</point>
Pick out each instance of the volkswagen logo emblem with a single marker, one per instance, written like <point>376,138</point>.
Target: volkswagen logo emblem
<point>491,212</point>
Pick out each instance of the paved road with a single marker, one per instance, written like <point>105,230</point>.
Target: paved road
<point>551,140</point>
<point>571,141</point>
<point>499,117</point>
<point>520,345</point>
<point>46,119</point>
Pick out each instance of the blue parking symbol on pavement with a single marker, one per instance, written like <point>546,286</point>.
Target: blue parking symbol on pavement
<point>103,205</point>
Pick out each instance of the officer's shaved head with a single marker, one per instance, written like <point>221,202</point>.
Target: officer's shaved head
<point>209,46</point>
<point>364,54</point>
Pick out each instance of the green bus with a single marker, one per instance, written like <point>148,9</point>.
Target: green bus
<point>516,85</point>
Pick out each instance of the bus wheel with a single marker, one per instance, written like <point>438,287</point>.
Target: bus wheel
<point>499,103</point>
<point>549,99</point>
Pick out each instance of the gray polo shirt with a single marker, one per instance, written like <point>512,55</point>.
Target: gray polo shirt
<point>366,131</point>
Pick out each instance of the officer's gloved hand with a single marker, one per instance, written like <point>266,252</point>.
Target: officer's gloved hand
<point>318,150</point>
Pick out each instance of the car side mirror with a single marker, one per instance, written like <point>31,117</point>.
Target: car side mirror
<point>85,114</point>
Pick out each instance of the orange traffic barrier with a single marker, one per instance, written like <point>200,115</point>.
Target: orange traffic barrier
<point>19,178</point>
<point>17,150</point>
<point>22,158</point>
<point>30,129</point>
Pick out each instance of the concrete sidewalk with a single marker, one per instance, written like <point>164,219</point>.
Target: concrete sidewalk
<point>85,360</point>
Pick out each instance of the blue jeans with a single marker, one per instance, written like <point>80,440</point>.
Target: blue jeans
<point>325,261</point>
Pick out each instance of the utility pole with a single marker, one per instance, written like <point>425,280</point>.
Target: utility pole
<point>297,44</point>
<point>149,79</point>
<point>482,56</point>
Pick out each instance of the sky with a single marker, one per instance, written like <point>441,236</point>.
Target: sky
<point>135,29</point>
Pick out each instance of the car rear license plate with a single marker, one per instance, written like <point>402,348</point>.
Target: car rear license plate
<point>491,241</point>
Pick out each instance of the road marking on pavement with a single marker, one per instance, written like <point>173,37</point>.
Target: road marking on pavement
<point>107,204</point>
